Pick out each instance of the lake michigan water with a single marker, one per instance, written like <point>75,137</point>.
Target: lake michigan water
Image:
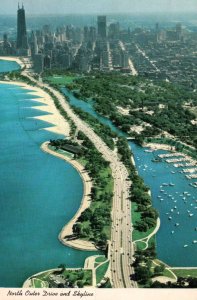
<point>39,193</point>
<point>176,204</point>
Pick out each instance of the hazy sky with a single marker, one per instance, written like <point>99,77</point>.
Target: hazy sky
<point>97,6</point>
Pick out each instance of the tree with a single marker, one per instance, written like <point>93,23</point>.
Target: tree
<point>139,139</point>
<point>77,228</point>
<point>62,267</point>
<point>157,284</point>
<point>192,282</point>
<point>141,226</point>
<point>71,279</point>
<point>80,274</point>
<point>142,274</point>
<point>150,213</point>
<point>80,284</point>
<point>85,215</point>
<point>158,270</point>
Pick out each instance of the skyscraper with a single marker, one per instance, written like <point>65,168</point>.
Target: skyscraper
<point>102,27</point>
<point>34,44</point>
<point>22,44</point>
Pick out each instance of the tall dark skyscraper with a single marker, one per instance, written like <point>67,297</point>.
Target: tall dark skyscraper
<point>102,27</point>
<point>22,43</point>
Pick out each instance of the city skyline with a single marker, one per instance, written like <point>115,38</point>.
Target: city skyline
<point>99,7</point>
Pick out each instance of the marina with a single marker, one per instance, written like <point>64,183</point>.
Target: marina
<point>182,161</point>
<point>175,197</point>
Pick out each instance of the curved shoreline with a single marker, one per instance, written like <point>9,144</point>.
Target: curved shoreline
<point>13,58</point>
<point>67,231</point>
<point>60,125</point>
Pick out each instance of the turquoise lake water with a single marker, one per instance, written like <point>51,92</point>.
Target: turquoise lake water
<point>6,66</point>
<point>180,230</point>
<point>39,193</point>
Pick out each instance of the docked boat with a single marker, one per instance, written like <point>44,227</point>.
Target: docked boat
<point>156,159</point>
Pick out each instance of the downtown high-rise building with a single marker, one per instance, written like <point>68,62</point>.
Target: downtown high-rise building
<point>102,27</point>
<point>22,43</point>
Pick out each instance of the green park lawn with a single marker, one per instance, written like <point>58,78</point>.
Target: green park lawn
<point>136,216</point>
<point>100,272</point>
<point>167,273</point>
<point>140,245</point>
<point>60,79</point>
<point>37,283</point>
<point>185,273</point>
<point>99,260</point>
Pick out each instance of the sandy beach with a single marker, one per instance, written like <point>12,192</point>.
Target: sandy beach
<point>13,58</point>
<point>60,125</point>
<point>85,203</point>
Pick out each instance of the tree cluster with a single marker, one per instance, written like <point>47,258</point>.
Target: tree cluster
<point>93,222</point>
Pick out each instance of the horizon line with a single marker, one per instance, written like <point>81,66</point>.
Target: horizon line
<point>103,13</point>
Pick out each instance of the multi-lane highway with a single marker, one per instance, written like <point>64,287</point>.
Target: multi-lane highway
<point>120,247</point>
